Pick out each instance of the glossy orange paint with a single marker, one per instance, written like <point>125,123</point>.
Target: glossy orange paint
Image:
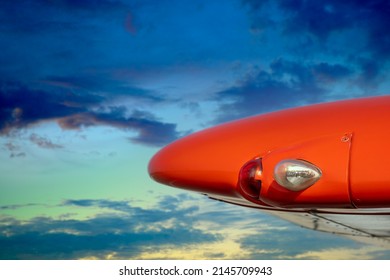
<point>347,140</point>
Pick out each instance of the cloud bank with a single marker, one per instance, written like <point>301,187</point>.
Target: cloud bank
<point>177,227</point>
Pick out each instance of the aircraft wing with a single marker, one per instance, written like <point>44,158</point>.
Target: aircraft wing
<point>370,226</point>
<point>324,167</point>
<point>367,228</point>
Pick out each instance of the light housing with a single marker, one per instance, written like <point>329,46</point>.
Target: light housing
<point>250,178</point>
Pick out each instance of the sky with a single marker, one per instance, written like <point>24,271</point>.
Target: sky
<point>90,90</point>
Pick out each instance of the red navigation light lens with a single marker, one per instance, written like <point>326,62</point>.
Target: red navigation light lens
<point>250,178</point>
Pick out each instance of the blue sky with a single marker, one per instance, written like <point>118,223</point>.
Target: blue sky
<point>90,90</point>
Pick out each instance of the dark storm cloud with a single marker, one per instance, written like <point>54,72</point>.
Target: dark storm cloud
<point>353,29</point>
<point>24,107</point>
<point>327,47</point>
<point>321,18</point>
<point>317,18</point>
<point>153,133</point>
<point>285,84</point>
<point>71,62</point>
<point>150,131</point>
<point>21,106</point>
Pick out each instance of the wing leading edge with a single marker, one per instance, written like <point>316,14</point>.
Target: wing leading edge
<point>324,167</point>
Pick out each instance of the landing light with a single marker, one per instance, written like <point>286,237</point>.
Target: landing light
<point>296,175</point>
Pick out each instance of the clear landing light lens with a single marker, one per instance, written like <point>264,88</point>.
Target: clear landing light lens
<point>296,175</point>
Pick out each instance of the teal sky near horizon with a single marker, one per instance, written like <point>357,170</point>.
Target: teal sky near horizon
<point>90,90</point>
